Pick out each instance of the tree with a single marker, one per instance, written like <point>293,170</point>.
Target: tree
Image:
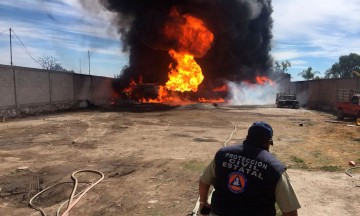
<point>47,62</point>
<point>345,67</point>
<point>308,73</point>
<point>58,67</point>
<point>282,66</point>
<point>50,63</point>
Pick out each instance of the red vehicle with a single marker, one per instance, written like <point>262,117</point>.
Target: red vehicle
<point>348,104</point>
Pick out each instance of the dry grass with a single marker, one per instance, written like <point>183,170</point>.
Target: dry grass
<point>323,146</point>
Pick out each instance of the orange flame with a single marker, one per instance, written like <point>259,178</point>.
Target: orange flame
<point>188,33</point>
<point>220,88</point>
<point>131,87</point>
<point>192,39</point>
<point>262,80</point>
<point>187,75</point>
<point>165,97</point>
<point>216,100</point>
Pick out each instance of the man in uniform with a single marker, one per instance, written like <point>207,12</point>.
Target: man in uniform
<point>248,179</point>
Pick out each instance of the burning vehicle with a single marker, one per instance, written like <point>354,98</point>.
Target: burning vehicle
<point>140,92</point>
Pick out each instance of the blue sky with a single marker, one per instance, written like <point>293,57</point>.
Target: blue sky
<point>306,33</point>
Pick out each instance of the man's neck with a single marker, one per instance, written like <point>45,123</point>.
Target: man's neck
<point>250,143</point>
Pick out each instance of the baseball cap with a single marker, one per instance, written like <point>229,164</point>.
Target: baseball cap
<point>261,128</point>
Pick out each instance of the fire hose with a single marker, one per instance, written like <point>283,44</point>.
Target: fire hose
<point>347,171</point>
<point>197,205</point>
<point>71,202</point>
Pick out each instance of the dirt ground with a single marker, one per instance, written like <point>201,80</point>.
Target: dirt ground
<point>152,155</point>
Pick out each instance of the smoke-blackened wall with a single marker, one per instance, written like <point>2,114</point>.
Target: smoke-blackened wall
<point>242,31</point>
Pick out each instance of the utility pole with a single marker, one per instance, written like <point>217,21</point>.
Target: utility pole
<point>13,70</point>
<point>11,63</point>
<point>80,64</point>
<point>89,60</point>
<point>91,84</point>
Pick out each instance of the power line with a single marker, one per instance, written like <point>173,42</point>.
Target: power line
<point>4,31</point>
<point>25,49</point>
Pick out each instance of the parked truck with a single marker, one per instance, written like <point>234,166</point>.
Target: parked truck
<point>348,104</point>
<point>288,100</point>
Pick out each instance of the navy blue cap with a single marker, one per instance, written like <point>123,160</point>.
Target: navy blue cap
<point>260,128</point>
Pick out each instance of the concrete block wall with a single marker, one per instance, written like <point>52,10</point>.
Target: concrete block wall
<point>32,87</point>
<point>21,87</point>
<point>62,87</point>
<point>102,90</point>
<point>321,94</point>
<point>7,89</point>
<point>82,87</point>
<point>95,89</point>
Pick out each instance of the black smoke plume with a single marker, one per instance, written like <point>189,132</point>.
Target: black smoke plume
<point>242,31</point>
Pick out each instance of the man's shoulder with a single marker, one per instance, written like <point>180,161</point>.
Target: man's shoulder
<point>231,148</point>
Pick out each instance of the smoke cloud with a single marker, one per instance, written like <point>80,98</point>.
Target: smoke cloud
<point>251,94</point>
<point>240,50</point>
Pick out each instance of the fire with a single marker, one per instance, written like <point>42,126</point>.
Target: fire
<point>189,34</point>
<point>218,100</point>
<point>137,91</point>
<point>222,88</point>
<point>164,96</point>
<point>186,76</point>
<point>262,80</point>
<point>131,87</point>
<point>192,39</point>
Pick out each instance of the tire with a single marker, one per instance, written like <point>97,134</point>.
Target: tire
<point>339,114</point>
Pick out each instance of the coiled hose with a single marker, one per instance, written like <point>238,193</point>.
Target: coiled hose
<point>71,202</point>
